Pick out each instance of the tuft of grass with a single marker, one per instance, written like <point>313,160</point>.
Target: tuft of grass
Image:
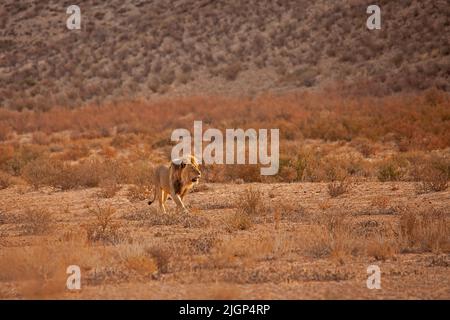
<point>104,228</point>
<point>238,221</point>
<point>5,180</point>
<point>424,230</point>
<point>161,256</point>
<point>36,221</point>
<point>138,193</point>
<point>434,177</point>
<point>204,243</point>
<point>337,188</point>
<point>109,188</point>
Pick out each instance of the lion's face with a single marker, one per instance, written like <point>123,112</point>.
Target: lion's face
<point>191,174</point>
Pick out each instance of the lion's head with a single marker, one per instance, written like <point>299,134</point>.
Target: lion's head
<point>188,169</point>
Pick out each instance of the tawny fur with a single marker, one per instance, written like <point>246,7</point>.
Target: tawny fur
<point>175,180</point>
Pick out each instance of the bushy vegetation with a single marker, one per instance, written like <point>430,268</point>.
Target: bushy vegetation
<point>135,48</point>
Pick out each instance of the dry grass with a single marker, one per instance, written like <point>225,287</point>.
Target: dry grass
<point>104,228</point>
<point>251,207</point>
<point>138,193</point>
<point>189,48</point>
<point>5,180</point>
<point>108,188</point>
<point>337,188</point>
<point>424,230</point>
<point>36,221</point>
<point>162,257</point>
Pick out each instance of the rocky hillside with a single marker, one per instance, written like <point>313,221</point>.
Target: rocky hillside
<point>132,48</point>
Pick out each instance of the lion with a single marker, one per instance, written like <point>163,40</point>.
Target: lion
<point>176,180</point>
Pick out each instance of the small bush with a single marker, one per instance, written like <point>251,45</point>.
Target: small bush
<point>138,193</point>
<point>251,203</point>
<point>36,221</point>
<point>232,71</point>
<point>109,188</point>
<point>381,249</point>
<point>434,175</point>
<point>336,188</point>
<point>162,258</point>
<point>103,228</point>
<point>389,171</point>
<point>238,221</point>
<point>5,180</point>
<point>424,230</point>
<point>204,243</point>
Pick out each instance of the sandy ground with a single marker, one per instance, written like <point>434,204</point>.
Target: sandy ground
<point>266,261</point>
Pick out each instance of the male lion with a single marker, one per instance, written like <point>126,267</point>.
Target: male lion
<point>176,180</point>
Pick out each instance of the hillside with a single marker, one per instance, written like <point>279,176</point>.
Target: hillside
<point>145,48</point>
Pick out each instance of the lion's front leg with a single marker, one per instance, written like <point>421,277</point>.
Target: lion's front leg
<point>178,201</point>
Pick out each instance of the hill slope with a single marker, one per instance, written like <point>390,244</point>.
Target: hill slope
<point>143,48</point>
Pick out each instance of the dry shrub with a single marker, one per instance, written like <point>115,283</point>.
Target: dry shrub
<point>109,188</point>
<point>250,206</point>
<point>103,228</point>
<point>140,173</point>
<point>364,146</point>
<point>137,259</point>
<point>424,230</point>
<point>381,202</point>
<point>238,221</point>
<point>433,174</point>
<point>381,248</point>
<point>36,221</point>
<point>38,271</point>
<point>5,180</point>
<point>252,203</point>
<point>291,212</point>
<point>161,256</point>
<point>204,243</point>
<point>60,174</point>
<point>336,188</point>
<point>138,193</point>
<point>5,131</point>
<point>332,235</point>
<point>41,138</point>
<point>433,180</point>
<point>75,152</point>
<point>231,71</point>
<point>237,172</point>
<point>14,160</point>
<point>390,170</point>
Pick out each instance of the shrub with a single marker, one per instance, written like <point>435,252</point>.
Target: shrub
<point>109,188</point>
<point>381,249</point>
<point>138,193</point>
<point>238,221</point>
<point>336,188</point>
<point>433,175</point>
<point>162,258</point>
<point>251,203</point>
<point>433,180</point>
<point>231,71</point>
<point>389,171</point>
<point>36,221</point>
<point>5,180</point>
<point>103,228</point>
<point>424,230</point>
<point>204,243</point>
